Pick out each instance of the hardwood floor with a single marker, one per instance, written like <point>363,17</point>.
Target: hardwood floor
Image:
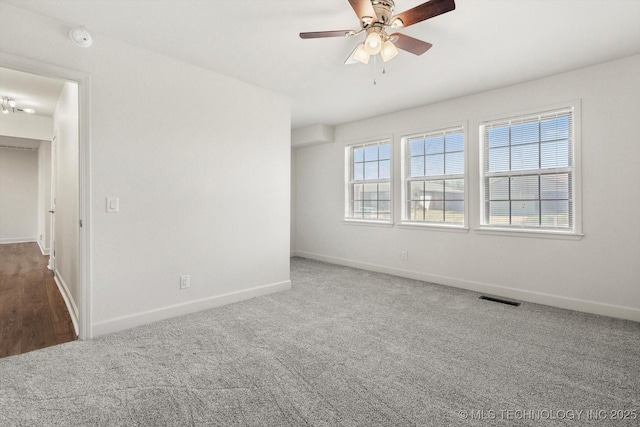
<point>33,314</point>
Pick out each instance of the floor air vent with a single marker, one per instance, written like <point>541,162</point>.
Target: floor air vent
<point>501,301</point>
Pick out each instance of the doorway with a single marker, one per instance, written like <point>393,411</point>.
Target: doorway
<point>70,221</point>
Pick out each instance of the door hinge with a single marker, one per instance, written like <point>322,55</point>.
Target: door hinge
<point>80,223</point>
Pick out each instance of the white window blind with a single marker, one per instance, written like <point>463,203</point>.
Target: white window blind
<point>434,177</point>
<point>528,171</point>
<point>369,181</point>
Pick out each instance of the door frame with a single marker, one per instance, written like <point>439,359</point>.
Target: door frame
<point>83,81</point>
<point>52,203</point>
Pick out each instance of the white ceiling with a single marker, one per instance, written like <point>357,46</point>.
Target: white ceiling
<point>31,91</point>
<point>481,45</point>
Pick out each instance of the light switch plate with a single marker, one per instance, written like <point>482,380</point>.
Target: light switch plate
<point>185,281</point>
<point>113,205</point>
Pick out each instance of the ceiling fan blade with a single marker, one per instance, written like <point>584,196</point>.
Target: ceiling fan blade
<point>415,46</point>
<point>424,11</point>
<point>364,8</point>
<point>352,57</point>
<point>323,34</point>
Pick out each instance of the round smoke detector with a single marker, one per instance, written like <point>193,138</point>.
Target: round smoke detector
<point>80,36</point>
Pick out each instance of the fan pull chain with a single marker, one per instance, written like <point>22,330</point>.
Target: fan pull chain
<point>375,65</point>
<point>375,70</point>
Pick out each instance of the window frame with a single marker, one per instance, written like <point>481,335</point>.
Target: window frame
<point>350,182</point>
<point>406,179</point>
<point>573,232</point>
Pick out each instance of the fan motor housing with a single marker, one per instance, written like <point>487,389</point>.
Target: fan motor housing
<point>384,10</point>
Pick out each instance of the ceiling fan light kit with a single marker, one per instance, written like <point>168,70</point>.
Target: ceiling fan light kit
<point>8,105</point>
<point>388,51</point>
<point>377,15</point>
<point>373,43</point>
<point>361,54</point>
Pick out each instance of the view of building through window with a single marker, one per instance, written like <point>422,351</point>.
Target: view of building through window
<point>526,175</point>
<point>434,181</point>
<point>528,171</point>
<point>370,181</point>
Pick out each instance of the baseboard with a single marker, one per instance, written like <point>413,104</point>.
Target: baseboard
<point>621,312</point>
<point>150,316</point>
<point>45,251</point>
<point>68,299</point>
<point>9,240</point>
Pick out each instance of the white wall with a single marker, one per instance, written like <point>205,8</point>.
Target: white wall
<point>66,240</point>
<point>598,273</point>
<point>200,163</point>
<point>18,194</point>
<point>44,195</point>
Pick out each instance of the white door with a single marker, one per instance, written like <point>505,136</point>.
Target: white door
<point>52,211</point>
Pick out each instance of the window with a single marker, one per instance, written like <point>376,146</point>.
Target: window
<point>434,177</point>
<point>528,171</point>
<point>369,181</point>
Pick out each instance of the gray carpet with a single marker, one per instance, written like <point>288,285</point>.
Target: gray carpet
<point>343,347</point>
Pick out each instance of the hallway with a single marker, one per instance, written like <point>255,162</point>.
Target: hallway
<point>33,314</point>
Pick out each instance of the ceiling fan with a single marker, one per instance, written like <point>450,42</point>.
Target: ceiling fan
<point>375,17</point>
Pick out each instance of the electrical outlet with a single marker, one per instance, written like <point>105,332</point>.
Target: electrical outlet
<point>185,281</point>
<point>405,255</point>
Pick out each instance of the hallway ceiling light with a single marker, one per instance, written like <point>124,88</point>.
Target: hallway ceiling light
<point>9,106</point>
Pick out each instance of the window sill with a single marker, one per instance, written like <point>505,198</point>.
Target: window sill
<point>539,234</point>
<point>366,222</point>
<point>433,227</point>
